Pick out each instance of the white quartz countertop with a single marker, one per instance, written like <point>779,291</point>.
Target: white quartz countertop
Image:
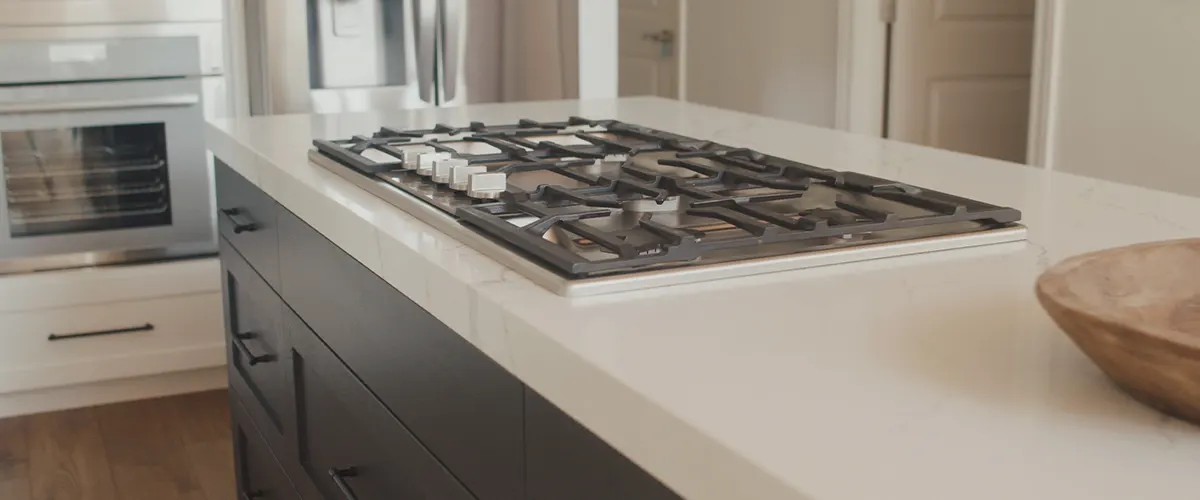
<point>926,377</point>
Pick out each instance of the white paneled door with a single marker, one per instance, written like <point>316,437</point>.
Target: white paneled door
<point>649,48</point>
<point>959,75</point>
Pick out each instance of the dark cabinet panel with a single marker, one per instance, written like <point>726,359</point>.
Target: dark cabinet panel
<point>383,400</point>
<point>246,217</point>
<point>348,443</point>
<point>259,475</point>
<point>458,402</point>
<point>255,344</point>
<point>565,460</point>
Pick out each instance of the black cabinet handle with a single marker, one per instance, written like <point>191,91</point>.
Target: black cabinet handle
<point>339,478</point>
<point>66,336</point>
<point>253,495</point>
<point>251,359</point>
<point>233,214</point>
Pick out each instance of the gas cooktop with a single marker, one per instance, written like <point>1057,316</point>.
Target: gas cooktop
<point>590,206</point>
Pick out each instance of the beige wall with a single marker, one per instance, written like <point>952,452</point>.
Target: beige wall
<point>1128,96</point>
<point>770,57</point>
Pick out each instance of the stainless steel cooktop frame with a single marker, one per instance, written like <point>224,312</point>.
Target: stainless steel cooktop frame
<point>568,287</point>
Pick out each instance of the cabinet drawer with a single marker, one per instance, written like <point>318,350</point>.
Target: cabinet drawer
<point>246,217</point>
<point>259,474</point>
<point>256,344</point>
<point>54,347</point>
<point>565,460</point>
<point>462,405</point>
<point>107,284</point>
<point>348,443</point>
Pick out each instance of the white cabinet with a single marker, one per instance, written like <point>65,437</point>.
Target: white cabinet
<point>87,325</point>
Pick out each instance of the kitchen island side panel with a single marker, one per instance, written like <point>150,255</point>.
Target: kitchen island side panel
<point>470,416</point>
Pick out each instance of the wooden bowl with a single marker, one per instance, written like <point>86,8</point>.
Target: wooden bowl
<point>1135,311</point>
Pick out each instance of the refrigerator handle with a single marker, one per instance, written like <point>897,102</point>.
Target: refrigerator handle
<point>453,17</point>
<point>425,22</point>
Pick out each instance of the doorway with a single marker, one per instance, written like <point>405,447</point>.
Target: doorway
<point>959,75</point>
<point>649,48</point>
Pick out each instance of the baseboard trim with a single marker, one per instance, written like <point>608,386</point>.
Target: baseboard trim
<point>112,391</point>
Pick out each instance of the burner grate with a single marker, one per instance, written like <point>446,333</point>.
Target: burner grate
<point>611,197</point>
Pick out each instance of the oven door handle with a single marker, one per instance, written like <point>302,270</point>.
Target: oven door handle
<point>140,102</point>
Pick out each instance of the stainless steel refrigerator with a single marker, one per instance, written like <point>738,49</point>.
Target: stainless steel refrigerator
<point>329,56</point>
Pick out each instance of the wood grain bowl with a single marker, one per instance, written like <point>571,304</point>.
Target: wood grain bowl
<point>1135,311</point>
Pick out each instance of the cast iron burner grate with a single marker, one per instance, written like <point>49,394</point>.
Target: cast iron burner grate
<point>598,197</point>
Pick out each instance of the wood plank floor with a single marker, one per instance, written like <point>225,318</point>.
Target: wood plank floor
<point>178,447</point>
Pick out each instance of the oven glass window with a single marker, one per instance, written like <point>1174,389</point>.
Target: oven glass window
<point>86,179</point>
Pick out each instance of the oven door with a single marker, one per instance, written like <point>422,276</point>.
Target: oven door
<point>98,173</point>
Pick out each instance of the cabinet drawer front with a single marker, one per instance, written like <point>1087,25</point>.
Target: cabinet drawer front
<point>462,405</point>
<point>256,343</point>
<point>107,284</point>
<point>348,442</point>
<point>259,474</point>
<point>54,347</point>
<point>246,217</point>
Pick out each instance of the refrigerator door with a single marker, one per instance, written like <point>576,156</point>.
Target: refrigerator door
<point>333,56</point>
<point>470,44</point>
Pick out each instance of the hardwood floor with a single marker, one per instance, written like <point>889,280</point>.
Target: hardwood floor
<point>178,447</point>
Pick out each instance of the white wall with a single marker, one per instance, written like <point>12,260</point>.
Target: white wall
<point>1127,101</point>
<point>769,57</point>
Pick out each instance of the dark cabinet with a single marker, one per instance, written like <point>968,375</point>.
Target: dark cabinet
<point>343,388</point>
<point>459,403</point>
<point>246,217</point>
<point>259,475</point>
<point>349,445</point>
<point>565,460</point>
<point>255,344</point>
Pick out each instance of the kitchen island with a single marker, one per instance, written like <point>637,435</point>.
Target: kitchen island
<point>932,376</point>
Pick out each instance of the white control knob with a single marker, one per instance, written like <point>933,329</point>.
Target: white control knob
<point>425,165</point>
<point>410,159</point>
<point>442,169</point>
<point>460,175</point>
<point>487,185</point>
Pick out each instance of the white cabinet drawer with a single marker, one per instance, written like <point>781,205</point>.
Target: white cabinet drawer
<point>77,287</point>
<point>54,347</point>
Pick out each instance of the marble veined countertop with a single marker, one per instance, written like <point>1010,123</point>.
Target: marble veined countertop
<point>926,377</point>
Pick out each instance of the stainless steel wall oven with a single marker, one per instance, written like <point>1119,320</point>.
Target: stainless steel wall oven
<point>102,153</point>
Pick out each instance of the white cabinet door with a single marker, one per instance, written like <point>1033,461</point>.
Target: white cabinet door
<point>959,75</point>
<point>649,48</point>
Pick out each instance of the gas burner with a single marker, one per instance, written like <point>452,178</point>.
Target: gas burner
<point>589,198</point>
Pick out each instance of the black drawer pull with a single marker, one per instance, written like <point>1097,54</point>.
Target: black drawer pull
<point>253,495</point>
<point>233,214</point>
<point>251,359</point>
<point>67,336</point>
<point>339,478</point>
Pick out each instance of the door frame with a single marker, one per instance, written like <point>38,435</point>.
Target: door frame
<point>1043,99</point>
<point>862,72</point>
<point>861,66</point>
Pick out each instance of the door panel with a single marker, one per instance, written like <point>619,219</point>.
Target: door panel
<point>464,407</point>
<point>960,75</point>
<point>983,10</point>
<point>348,443</point>
<point>256,345</point>
<point>956,105</point>
<point>246,219</point>
<point>71,150</point>
<point>639,77</point>
<point>649,48</point>
<point>259,474</point>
